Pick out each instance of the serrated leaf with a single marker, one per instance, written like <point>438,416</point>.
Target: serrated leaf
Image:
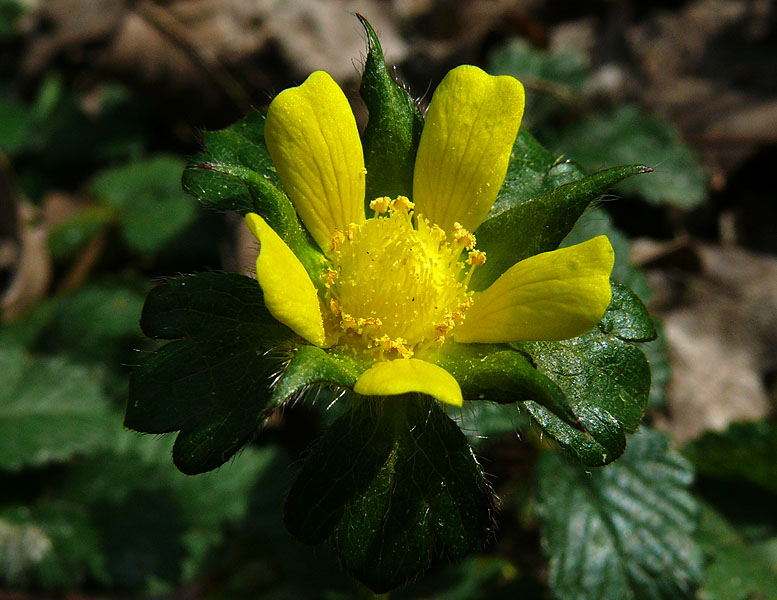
<point>521,225</point>
<point>213,384</point>
<point>147,195</point>
<point>736,570</point>
<point>235,172</point>
<point>395,484</point>
<point>51,546</point>
<point>50,409</point>
<point>625,135</point>
<point>394,128</point>
<point>743,452</point>
<point>606,379</point>
<point>624,531</point>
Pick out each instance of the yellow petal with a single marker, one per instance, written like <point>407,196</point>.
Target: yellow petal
<point>314,143</point>
<point>552,296</point>
<point>465,146</point>
<point>289,294</point>
<point>405,375</point>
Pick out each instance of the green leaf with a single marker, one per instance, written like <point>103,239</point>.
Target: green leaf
<point>147,195</point>
<point>554,80</point>
<point>735,570</point>
<point>53,546</point>
<point>744,452</point>
<point>10,12</point>
<point>499,375</point>
<point>214,383</point>
<point>50,410</point>
<point>624,531</point>
<point>660,367</point>
<point>72,235</point>
<point>98,323</point>
<point>627,317</point>
<point>395,484</point>
<point>16,122</point>
<point>393,130</point>
<point>626,135</point>
<point>606,379</point>
<point>539,221</point>
<point>138,467</point>
<point>236,173</point>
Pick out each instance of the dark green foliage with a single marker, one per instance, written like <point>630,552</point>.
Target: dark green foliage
<point>396,486</point>
<point>52,545</point>
<point>147,197</point>
<point>605,377</point>
<point>393,130</point>
<point>745,452</point>
<point>213,382</point>
<point>622,531</point>
<point>537,215</point>
<point>496,374</point>
<point>625,135</point>
<point>50,409</point>
<point>235,173</point>
<point>736,570</point>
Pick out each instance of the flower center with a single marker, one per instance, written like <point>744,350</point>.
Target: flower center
<point>397,289</point>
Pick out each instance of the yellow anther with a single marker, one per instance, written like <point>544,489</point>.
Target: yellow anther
<point>334,306</point>
<point>348,322</point>
<point>476,258</point>
<point>331,275</point>
<point>399,345</point>
<point>402,204</point>
<point>370,322</point>
<point>463,237</point>
<point>363,172</point>
<point>381,205</point>
<point>352,231</point>
<point>338,237</point>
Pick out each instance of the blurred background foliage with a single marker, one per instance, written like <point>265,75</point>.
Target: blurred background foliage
<point>100,104</point>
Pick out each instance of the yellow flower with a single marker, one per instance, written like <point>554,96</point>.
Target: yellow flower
<point>395,283</point>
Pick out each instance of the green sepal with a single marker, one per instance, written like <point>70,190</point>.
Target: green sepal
<point>529,225</point>
<point>394,128</point>
<point>236,173</point>
<point>212,382</point>
<point>498,374</point>
<point>606,379</point>
<point>310,365</point>
<point>394,484</point>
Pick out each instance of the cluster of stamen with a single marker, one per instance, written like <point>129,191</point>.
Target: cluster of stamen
<point>395,285</point>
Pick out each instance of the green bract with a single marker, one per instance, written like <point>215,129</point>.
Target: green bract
<point>393,483</point>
